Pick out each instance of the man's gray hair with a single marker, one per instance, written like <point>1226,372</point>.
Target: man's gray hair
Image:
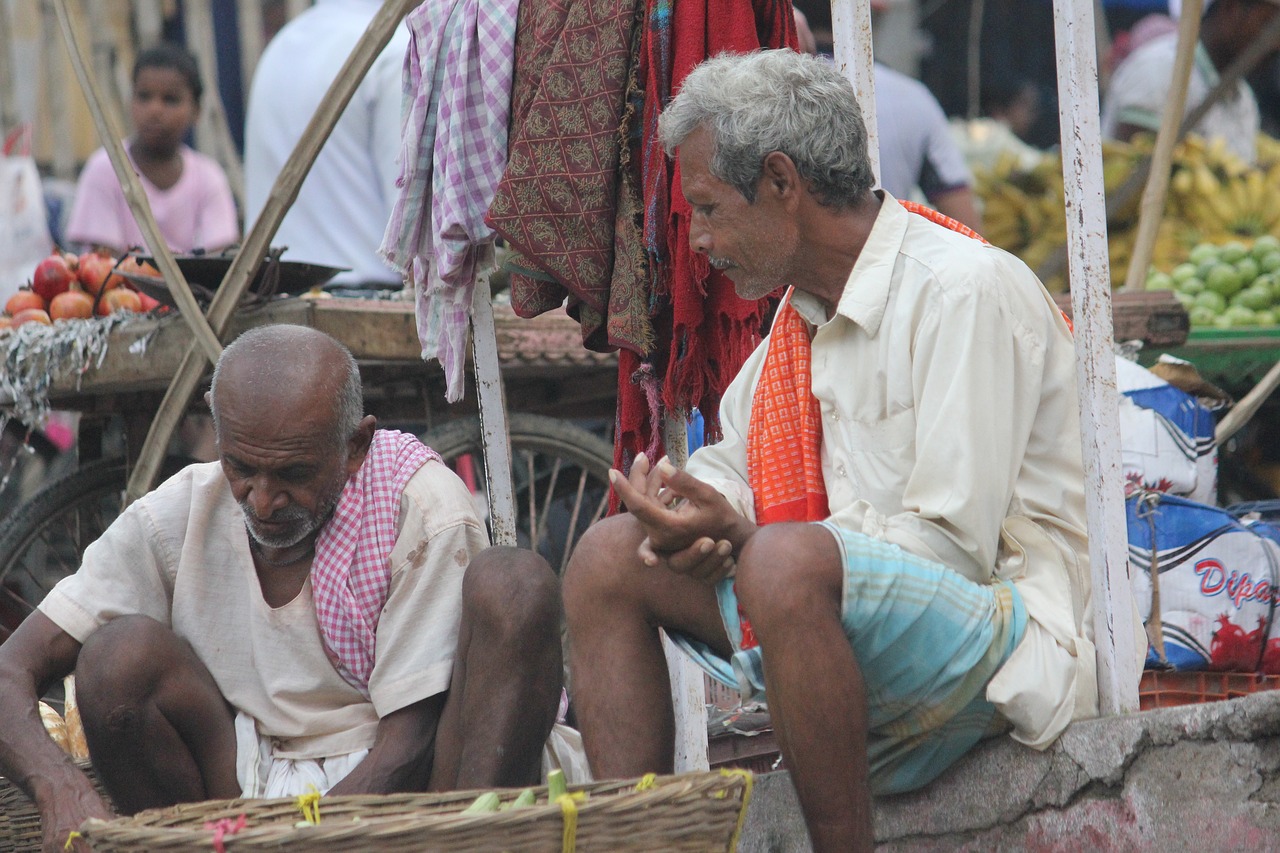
<point>261,346</point>
<point>775,100</point>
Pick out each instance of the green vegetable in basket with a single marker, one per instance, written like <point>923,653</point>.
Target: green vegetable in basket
<point>556,787</point>
<point>486,802</point>
<point>526,798</point>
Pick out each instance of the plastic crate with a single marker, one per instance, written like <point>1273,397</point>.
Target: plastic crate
<point>1167,689</point>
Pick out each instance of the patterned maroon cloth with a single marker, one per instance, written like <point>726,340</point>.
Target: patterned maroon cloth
<point>555,204</point>
<point>350,577</point>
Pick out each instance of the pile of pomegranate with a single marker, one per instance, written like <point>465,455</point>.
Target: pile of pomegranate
<point>69,287</point>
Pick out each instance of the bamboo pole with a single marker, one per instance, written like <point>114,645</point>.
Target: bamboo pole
<point>110,130</point>
<point>103,52</point>
<point>1162,157</point>
<point>1119,659</point>
<point>249,16</point>
<point>1248,405</point>
<point>212,129</point>
<point>55,81</point>
<point>851,30</point>
<point>257,241</point>
<point>8,91</point>
<point>148,19</point>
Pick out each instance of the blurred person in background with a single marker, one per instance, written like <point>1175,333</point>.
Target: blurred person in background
<point>918,157</point>
<point>1140,86</point>
<point>342,208</point>
<point>188,191</point>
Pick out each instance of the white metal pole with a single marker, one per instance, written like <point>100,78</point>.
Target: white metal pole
<point>493,411</point>
<point>1119,658</point>
<point>851,31</point>
<point>688,682</point>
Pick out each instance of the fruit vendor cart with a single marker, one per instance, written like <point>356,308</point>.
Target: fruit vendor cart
<point>558,392</point>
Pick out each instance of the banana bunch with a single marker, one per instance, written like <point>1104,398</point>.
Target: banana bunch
<point>1220,196</point>
<point>1214,196</point>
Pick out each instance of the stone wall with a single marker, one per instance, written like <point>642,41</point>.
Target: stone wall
<point>1197,777</point>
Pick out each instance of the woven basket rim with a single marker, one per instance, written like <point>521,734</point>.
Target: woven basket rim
<point>396,815</point>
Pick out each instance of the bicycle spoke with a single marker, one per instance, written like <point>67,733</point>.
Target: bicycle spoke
<point>546,501</point>
<point>569,539</point>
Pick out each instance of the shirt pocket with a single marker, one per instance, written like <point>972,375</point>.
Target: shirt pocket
<point>880,435</point>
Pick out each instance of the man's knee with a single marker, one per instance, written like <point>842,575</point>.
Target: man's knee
<point>511,590</point>
<point>788,571</point>
<point>598,569</point>
<point>119,666</point>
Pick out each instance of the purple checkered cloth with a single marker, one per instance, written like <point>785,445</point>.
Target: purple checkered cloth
<point>457,102</point>
<point>350,575</point>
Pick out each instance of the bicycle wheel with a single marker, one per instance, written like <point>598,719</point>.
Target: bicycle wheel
<point>561,474</point>
<point>44,539</point>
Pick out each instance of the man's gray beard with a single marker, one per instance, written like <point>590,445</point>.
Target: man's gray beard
<point>308,523</point>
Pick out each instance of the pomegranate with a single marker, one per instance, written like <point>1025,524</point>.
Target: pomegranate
<point>130,266</point>
<point>119,299</point>
<point>94,270</point>
<point>73,305</point>
<point>22,300</point>
<point>148,303</point>
<point>52,276</point>
<point>31,315</point>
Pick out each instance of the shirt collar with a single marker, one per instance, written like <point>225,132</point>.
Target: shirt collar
<point>866,292</point>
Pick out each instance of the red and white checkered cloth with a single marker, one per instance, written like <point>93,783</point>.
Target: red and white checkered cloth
<point>350,575</point>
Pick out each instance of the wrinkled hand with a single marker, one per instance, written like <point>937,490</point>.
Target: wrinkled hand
<point>64,816</point>
<point>689,527</point>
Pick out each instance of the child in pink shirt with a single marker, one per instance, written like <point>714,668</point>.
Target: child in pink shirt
<point>188,192</point>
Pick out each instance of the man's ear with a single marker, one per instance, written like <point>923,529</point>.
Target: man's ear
<point>780,177</point>
<point>358,443</point>
<point>208,399</point>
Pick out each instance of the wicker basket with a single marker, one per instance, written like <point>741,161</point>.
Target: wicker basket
<point>19,820</point>
<point>691,812</point>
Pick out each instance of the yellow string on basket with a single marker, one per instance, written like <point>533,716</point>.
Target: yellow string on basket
<point>647,782</point>
<point>71,839</point>
<point>309,805</point>
<point>569,808</point>
<point>746,798</point>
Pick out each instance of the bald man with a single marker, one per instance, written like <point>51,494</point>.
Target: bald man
<point>319,607</point>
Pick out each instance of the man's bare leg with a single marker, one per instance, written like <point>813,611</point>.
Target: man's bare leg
<point>621,690</point>
<point>790,582</point>
<point>158,729</point>
<point>505,688</point>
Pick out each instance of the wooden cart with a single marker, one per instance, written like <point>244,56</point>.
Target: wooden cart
<point>561,397</point>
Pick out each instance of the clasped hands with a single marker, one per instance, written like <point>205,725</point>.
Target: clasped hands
<point>689,527</point>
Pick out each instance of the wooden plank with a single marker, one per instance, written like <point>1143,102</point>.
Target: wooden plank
<point>249,17</point>
<point>1119,660</point>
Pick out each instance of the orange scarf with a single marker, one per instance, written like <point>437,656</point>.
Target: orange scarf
<point>784,438</point>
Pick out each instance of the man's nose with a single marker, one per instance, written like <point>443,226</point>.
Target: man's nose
<point>699,237</point>
<point>265,499</point>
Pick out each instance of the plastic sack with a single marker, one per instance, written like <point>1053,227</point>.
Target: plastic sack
<point>24,228</point>
<point>1211,600</point>
<point>1166,436</point>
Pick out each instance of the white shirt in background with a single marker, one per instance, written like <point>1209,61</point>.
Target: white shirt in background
<point>345,202</point>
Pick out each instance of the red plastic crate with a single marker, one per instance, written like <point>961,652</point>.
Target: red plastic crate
<point>1166,689</point>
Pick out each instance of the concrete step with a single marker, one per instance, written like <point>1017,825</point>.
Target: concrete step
<point>1194,777</point>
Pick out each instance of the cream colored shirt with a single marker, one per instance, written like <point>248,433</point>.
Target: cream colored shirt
<point>951,428</point>
<point>181,556</point>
